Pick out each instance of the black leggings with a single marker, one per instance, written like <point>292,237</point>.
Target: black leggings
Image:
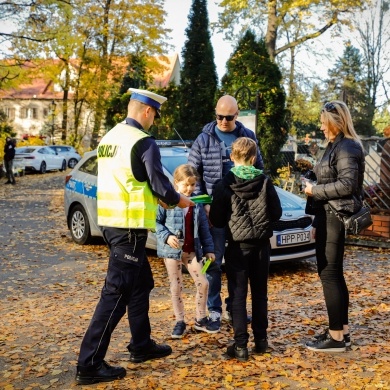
<point>330,242</point>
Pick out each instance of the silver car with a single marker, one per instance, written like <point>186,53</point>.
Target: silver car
<point>292,239</point>
<point>38,159</point>
<point>69,153</point>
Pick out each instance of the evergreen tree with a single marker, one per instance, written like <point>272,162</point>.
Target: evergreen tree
<point>251,66</point>
<point>347,82</point>
<point>135,77</point>
<point>305,114</point>
<point>164,127</point>
<point>198,75</point>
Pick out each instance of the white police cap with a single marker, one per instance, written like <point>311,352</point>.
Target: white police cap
<point>149,98</point>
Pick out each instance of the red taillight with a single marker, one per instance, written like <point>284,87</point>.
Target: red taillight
<point>67,178</point>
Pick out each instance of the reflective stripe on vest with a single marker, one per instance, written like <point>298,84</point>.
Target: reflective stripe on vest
<point>122,201</point>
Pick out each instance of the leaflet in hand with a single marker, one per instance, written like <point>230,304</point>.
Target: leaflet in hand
<point>205,199</point>
<point>206,266</point>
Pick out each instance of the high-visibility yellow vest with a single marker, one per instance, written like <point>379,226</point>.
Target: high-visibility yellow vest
<point>122,201</point>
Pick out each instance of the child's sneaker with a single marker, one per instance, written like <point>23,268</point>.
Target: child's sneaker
<point>178,330</point>
<point>202,325</point>
<point>214,322</point>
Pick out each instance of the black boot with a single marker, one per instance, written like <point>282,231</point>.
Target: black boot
<point>102,373</point>
<point>240,353</point>
<point>154,351</point>
<point>261,345</point>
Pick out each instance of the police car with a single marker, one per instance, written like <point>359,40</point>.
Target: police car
<point>292,239</point>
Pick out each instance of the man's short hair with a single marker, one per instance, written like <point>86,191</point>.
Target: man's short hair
<point>243,149</point>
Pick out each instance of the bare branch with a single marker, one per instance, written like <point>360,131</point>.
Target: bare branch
<point>308,37</point>
<point>23,37</point>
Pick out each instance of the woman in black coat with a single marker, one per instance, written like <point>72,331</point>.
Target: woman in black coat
<point>339,188</point>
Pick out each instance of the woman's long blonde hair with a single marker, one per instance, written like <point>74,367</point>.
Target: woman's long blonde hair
<point>336,115</point>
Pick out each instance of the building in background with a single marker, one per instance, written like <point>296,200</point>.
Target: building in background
<point>36,108</point>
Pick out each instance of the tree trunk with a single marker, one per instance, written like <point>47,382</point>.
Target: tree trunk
<point>291,82</point>
<point>105,64</point>
<point>64,125</point>
<point>272,29</point>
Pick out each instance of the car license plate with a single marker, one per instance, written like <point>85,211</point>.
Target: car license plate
<point>292,238</point>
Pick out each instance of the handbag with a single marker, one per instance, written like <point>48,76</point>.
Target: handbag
<point>356,222</point>
<point>359,221</point>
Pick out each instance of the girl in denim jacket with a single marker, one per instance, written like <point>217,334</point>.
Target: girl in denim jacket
<point>193,222</point>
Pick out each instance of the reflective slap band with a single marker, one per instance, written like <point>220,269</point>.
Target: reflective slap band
<point>146,100</point>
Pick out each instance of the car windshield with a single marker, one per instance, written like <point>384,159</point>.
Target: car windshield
<point>171,162</point>
<point>24,150</point>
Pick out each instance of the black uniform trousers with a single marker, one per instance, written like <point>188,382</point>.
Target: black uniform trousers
<point>128,284</point>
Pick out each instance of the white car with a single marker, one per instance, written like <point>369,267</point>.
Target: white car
<point>38,159</point>
<point>292,239</point>
<point>69,153</point>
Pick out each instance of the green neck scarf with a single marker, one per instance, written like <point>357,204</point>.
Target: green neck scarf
<point>246,171</point>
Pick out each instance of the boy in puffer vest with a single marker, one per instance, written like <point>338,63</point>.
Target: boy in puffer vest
<point>246,201</point>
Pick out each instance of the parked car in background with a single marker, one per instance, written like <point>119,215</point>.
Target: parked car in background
<point>38,159</point>
<point>69,153</point>
<point>292,239</point>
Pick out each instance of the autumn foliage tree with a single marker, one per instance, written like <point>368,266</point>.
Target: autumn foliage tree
<point>251,66</point>
<point>99,35</point>
<point>276,18</point>
<point>134,77</point>
<point>198,76</point>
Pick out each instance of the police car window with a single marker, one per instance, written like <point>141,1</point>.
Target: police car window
<point>171,162</point>
<point>90,166</point>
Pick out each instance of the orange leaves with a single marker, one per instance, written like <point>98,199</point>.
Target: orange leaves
<point>50,287</point>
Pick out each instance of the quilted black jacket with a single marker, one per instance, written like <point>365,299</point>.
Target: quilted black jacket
<point>247,207</point>
<point>340,175</point>
<point>206,156</point>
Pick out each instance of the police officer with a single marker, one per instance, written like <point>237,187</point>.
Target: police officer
<point>130,184</point>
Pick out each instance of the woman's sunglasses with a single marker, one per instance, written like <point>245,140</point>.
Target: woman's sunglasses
<point>330,107</point>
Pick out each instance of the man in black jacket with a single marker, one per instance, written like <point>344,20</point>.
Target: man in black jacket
<point>246,202</point>
<point>9,154</point>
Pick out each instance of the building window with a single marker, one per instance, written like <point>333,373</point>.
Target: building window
<point>24,113</point>
<point>34,113</point>
<point>10,112</point>
<point>29,113</point>
<point>45,112</point>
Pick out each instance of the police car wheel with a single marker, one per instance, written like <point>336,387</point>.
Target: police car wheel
<point>79,226</point>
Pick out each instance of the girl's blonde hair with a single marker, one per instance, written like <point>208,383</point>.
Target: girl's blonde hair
<point>185,171</point>
<point>335,114</point>
<point>243,149</point>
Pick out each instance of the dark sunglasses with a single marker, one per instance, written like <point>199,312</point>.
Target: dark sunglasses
<point>330,107</point>
<point>229,118</point>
